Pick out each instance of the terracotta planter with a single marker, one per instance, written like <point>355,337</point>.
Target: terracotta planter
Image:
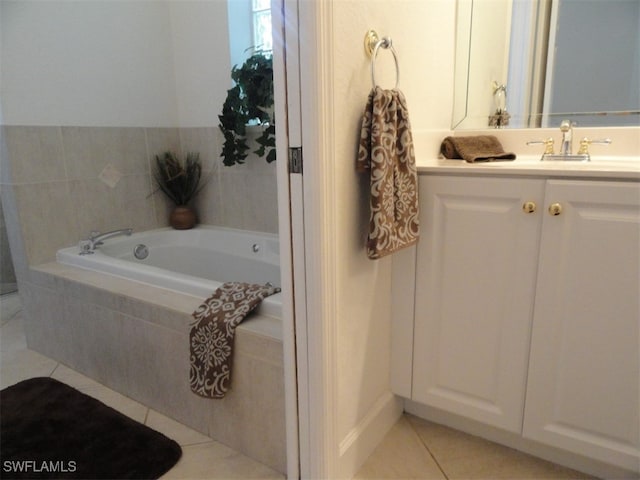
<point>182,217</point>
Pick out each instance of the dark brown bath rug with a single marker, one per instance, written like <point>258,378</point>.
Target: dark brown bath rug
<point>50,430</point>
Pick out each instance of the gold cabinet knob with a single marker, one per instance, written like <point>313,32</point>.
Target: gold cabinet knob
<point>529,207</point>
<point>555,209</point>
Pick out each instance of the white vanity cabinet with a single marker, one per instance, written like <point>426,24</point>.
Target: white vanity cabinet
<point>527,309</point>
<point>584,373</point>
<point>475,281</point>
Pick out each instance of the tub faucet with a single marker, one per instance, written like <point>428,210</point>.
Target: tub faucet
<point>96,239</point>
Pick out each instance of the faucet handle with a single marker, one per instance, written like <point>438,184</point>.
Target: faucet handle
<point>85,247</point>
<point>548,145</point>
<point>585,142</point>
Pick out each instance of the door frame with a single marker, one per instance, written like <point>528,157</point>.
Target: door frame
<point>303,62</point>
<point>285,53</point>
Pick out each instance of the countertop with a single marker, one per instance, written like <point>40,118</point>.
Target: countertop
<point>620,168</point>
<point>618,161</point>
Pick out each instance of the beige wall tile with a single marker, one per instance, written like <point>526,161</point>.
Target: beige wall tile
<point>5,165</point>
<point>47,220</point>
<point>14,232</point>
<point>7,272</point>
<point>88,150</point>
<point>208,204</point>
<point>162,207</point>
<point>134,201</point>
<point>44,328</point>
<point>157,363</point>
<point>260,347</point>
<point>36,154</point>
<point>174,430</point>
<point>159,141</point>
<point>100,207</point>
<point>203,140</point>
<point>58,214</point>
<point>266,415</point>
<point>261,205</point>
<point>233,197</point>
<point>97,336</point>
<point>249,196</point>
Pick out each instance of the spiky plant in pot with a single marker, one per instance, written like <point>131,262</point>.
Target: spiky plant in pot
<point>180,182</point>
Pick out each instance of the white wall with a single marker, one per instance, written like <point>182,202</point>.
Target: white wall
<point>422,32</point>
<point>201,60</point>
<point>423,37</point>
<point>107,63</point>
<point>78,72</point>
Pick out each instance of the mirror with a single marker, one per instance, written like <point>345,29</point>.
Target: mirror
<point>534,63</point>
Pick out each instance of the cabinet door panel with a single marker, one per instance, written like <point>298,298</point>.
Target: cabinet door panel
<point>475,279</point>
<point>584,378</point>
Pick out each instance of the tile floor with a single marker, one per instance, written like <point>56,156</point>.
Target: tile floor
<point>413,449</point>
<point>418,449</point>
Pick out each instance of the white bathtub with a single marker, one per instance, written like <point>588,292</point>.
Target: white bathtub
<point>194,262</point>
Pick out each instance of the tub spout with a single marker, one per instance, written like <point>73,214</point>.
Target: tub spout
<point>96,239</point>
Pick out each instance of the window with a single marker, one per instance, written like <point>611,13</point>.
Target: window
<point>261,10</point>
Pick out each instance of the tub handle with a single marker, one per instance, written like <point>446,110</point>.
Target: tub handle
<point>85,247</point>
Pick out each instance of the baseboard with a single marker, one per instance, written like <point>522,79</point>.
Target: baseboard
<point>362,439</point>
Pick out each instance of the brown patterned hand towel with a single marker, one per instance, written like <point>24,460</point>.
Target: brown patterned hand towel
<point>386,149</point>
<point>479,148</point>
<point>212,334</point>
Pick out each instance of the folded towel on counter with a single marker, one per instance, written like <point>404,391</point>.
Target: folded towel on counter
<point>211,336</point>
<point>479,148</point>
<point>386,150</point>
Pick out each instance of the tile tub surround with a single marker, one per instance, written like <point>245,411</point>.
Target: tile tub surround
<point>133,338</point>
<point>54,174</point>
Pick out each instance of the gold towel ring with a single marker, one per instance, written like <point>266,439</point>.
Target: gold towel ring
<point>384,43</point>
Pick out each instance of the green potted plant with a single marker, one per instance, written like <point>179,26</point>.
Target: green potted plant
<point>180,181</point>
<point>249,103</point>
